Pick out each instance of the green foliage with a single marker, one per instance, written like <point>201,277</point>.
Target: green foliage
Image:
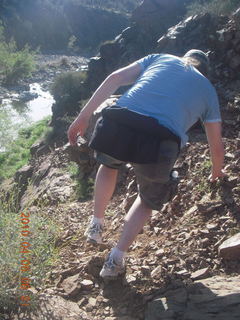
<point>203,171</point>
<point>216,7</point>
<point>16,153</point>
<point>70,85</point>
<point>14,64</point>
<point>84,188</point>
<point>72,44</point>
<point>41,255</point>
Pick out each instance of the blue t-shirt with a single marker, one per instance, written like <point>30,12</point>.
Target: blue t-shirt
<point>174,93</point>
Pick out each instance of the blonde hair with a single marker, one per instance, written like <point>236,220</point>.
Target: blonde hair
<point>197,63</point>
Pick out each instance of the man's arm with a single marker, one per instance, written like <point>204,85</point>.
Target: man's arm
<point>214,136</point>
<point>121,77</point>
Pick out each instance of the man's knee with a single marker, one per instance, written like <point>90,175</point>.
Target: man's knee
<point>155,195</point>
<point>108,161</point>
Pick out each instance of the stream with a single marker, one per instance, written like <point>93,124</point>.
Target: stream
<point>35,109</point>
<point>21,108</point>
<point>17,112</point>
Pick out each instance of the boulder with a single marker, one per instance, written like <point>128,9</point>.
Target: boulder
<point>23,175</point>
<point>55,307</point>
<point>49,185</point>
<point>96,72</point>
<point>209,299</point>
<point>181,37</point>
<point>71,285</point>
<point>94,265</point>
<point>39,148</point>
<point>230,248</point>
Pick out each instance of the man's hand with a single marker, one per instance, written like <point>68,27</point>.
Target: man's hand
<point>78,127</point>
<point>123,76</point>
<point>213,130</point>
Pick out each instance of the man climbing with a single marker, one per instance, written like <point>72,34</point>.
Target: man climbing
<point>169,94</point>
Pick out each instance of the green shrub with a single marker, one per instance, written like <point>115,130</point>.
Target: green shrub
<point>17,152</point>
<point>84,187</point>
<point>41,254</point>
<point>69,84</point>
<point>216,7</point>
<point>14,64</point>
<point>72,47</point>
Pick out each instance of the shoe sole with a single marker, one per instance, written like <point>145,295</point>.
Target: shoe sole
<point>109,278</point>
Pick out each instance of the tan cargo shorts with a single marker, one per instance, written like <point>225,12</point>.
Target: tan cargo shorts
<point>155,184</point>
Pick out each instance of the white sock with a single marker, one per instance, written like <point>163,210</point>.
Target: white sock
<point>118,255</point>
<point>97,220</point>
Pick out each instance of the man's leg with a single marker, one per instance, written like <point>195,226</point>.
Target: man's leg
<point>134,222</point>
<point>154,190</point>
<point>104,187</point>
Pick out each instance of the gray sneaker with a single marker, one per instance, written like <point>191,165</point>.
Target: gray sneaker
<point>94,233</point>
<point>111,269</point>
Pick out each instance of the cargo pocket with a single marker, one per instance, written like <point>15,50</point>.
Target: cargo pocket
<point>169,190</point>
<point>172,188</point>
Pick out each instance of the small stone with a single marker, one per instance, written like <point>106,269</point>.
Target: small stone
<point>89,308</point>
<point>94,265</point>
<point>182,272</point>
<point>156,230</point>
<point>156,272</point>
<point>145,270</point>
<point>209,206</point>
<point>159,252</point>
<point>71,285</point>
<point>130,278</point>
<point>82,302</point>
<point>200,274</point>
<point>229,155</point>
<point>87,284</point>
<point>205,242</point>
<point>92,301</point>
<point>211,226</point>
<point>191,210</point>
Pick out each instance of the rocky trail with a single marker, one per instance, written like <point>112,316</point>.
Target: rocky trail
<point>178,268</point>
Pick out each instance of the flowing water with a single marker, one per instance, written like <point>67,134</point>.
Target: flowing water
<point>17,114</point>
<point>21,110</point>
<point>35,109</point>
